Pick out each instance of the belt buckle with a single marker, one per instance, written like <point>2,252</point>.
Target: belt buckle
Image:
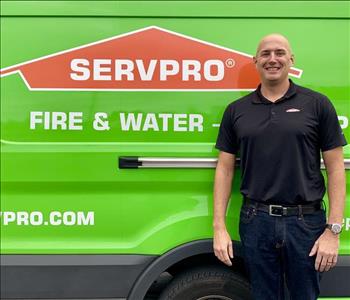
<point>280,210</point>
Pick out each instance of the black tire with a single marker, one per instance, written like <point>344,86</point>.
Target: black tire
<point>207,283</point>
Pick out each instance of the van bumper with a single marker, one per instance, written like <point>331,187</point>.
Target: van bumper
<point>70,276</point>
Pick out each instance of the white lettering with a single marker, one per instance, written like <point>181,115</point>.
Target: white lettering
<point>79,65</point>
<point>69,218</point>
<point>344,122</point>
<point>55,218</point>
<point>146,75</point>
<point>191,68</point>
<point>165,71</point>
<point>150,123</point>
<point>8,217</point>
<point>98,69</point>
<point>160,122</point>
<point>195,121</point>
<point>125,124</point>
<point>36,218</point>
<point>180,119</point>
<point>22,218</point>
<point>59,119</point>
<point>120,70</point>
<point>34,118</point>
<point>220,70</point>
<point>165,118</point>
<point>87,219</point>
<point>46,120</point>
<point>347,224</point>
<point>75,118</point>
<point>213,70</point>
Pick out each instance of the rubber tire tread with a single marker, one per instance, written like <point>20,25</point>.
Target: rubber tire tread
<point>176,290</point>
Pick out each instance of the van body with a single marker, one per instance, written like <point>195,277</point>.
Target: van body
<point>109,115</point>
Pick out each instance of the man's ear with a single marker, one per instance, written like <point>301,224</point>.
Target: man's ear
<point>292,59</point>
<point>254,60</point>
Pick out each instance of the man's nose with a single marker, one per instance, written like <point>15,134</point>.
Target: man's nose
<point>272,58</point>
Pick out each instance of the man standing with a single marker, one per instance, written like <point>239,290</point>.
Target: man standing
<point>279,131</point>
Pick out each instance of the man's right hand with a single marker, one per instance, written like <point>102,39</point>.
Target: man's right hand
<point>223,248</point>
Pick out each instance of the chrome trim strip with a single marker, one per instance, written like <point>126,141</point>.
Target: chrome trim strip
<point>186,162</point>
<point>194,163</point>
<point>168,162</point>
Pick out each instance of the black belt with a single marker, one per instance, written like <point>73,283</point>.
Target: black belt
<point>280,210</point>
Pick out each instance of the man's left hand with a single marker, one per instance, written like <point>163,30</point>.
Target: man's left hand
<point>326,247</point>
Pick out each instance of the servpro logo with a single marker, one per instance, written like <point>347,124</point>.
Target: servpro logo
<point>162,70</point>
<point>149,59</point>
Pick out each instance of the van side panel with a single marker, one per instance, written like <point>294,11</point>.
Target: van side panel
<point>63,191</point>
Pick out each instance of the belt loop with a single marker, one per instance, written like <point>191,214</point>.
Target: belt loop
<point>300,211</point>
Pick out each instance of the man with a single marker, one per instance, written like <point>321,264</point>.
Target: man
<point>279,131</point>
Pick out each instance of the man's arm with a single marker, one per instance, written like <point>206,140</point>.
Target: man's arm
<point>327,245</point>
<point>222,190</point>
<point>334,162</point>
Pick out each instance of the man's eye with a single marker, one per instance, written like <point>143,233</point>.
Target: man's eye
<point>280,53</point>
<point>264,54</point>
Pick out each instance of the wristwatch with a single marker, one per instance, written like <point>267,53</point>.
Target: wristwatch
<point>336,228</point>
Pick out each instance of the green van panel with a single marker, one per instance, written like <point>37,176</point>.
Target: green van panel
<point>62,188</point>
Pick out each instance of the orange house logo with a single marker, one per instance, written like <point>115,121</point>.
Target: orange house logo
<point>149,59</point>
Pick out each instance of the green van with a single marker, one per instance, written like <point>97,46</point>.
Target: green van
<point>109,115</point>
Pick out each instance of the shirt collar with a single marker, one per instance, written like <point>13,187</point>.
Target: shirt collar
<point>260,99</point>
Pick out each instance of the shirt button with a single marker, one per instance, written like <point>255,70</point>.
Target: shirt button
<point>273,113</point>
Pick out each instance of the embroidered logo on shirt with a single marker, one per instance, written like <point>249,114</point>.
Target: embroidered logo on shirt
<point>293,110</point>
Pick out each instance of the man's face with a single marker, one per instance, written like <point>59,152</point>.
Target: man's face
<point>273,59</point>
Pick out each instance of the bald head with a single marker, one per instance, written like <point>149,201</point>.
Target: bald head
<point>273,60</point>
<point>274,37</point>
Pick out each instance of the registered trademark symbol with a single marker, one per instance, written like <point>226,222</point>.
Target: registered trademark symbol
<point>230,62</point>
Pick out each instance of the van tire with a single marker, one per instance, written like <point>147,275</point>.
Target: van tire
<point>202,282</point>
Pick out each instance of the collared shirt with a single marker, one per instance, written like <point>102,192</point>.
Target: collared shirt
<point>279,144</point>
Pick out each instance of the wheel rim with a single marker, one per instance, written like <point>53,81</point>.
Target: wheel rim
<point>214,297</point>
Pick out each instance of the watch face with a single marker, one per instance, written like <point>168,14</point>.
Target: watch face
<point>336,228</point>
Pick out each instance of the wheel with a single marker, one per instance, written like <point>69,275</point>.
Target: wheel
<point>207,283</point>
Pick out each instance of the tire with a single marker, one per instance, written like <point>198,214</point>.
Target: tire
<point>207,283</point>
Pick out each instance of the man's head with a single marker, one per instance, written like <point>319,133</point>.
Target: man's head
<point>273,59</point>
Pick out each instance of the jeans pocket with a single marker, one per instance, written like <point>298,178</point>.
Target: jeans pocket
<point>247,214</point>
<point>316,220</point>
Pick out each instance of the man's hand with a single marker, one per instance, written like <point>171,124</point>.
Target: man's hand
<point>223,246</point>
<point>326,248</point>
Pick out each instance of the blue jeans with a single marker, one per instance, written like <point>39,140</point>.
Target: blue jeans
<point>276,251</point>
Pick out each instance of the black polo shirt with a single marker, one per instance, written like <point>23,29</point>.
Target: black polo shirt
<point>279,143</point>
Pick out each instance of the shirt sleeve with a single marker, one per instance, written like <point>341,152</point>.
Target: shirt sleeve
<point>331,135</point>
<point>227,138</point>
